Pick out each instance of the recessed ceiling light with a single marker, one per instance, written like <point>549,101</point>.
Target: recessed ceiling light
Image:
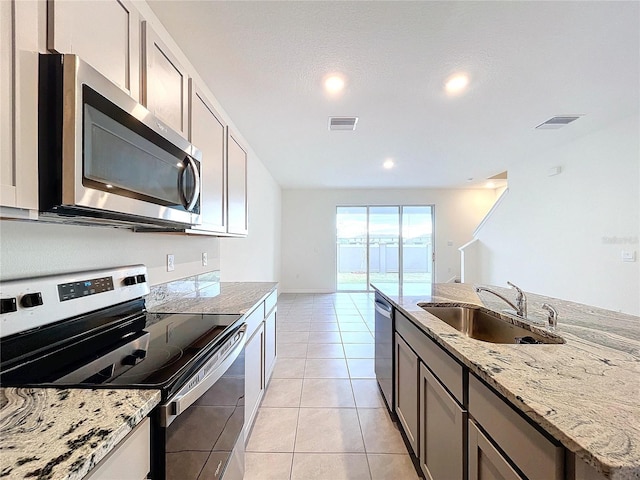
<point>456,84</point>
<point>334,83</point>
<point>388,163</point>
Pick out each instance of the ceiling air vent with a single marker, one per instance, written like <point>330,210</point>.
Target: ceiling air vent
<point>342,123</point>
<point>558,122</point>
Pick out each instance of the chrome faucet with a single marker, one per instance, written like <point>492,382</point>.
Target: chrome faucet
<point>552,319</point>
<point>520,307</point>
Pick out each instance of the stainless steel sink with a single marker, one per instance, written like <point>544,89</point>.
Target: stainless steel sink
<point>488,326</point>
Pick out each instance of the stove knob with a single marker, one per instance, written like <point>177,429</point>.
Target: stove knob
<point>129,360</point>
<point>140,354</point>
<point>130,280</point>
<point>8,305</point>
<point>141,278</point>
<point>136,357</point>
<point>31,300</point>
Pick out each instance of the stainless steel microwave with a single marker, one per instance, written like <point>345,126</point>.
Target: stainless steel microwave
<point>104,158</point>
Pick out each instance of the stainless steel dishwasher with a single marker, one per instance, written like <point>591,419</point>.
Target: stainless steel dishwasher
<point>384,349</point>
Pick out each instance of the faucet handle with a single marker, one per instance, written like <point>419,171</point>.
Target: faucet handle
<point>552,318</point>
<point>521,300</point>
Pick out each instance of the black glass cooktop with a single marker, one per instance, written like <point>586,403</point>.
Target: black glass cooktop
<point>122,346</point>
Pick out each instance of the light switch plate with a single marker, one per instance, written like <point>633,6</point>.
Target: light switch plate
<point>171,266</point>
<point>205,259</point>
<point>628,256</point>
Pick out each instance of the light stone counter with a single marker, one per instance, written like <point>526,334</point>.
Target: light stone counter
<point>61,434</point>
<point>585,393</point>
<point>204,294</point>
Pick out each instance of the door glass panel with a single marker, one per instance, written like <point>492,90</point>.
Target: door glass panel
<point>384,239</point>
<point>389,245</point>
<point>417,246</point>
<point>351,226</point>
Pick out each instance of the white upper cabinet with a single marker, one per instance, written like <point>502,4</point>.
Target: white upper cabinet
<point>6,101</point>
<point>236,186</point>
<point>105,34</point>
<point>165,82</point>
<point>208,134</point>
<point>19,109</point>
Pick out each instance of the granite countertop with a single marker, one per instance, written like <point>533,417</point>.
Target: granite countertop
<point>205,295</point>
<point>61,434</point>
<point>585,392</point>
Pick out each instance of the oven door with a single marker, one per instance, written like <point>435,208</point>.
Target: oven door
<point>201,428</point>
<point>105,156</point>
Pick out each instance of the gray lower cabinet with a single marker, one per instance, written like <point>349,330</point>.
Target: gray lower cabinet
<point>442,425</point>
<point>535,454</point>
<point>406,389</point>
<point>485,461</point>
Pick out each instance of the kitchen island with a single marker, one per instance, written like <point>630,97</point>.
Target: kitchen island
<point>584,393</point>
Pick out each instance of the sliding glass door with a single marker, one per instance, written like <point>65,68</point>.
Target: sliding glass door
<point>383,245</point>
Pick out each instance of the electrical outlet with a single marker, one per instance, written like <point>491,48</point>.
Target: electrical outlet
<point>205,259</point>
<point>628,256</point>
<point>171,265</point>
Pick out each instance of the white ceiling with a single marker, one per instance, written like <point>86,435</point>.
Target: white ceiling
<point>528,61</point>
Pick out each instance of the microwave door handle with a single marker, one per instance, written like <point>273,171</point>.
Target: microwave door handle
<point>189,203</point>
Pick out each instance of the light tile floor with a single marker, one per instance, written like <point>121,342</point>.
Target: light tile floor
<point>322,416</point>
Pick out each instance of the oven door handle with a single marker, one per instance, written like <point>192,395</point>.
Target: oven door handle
<point>189,395</point>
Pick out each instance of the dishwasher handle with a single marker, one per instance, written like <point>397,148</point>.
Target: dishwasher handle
<point>206,377</point>
<point>383,309</point>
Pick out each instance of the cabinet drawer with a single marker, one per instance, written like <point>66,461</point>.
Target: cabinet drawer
<point>254,319</point>
<point>536,456</point>
<point>448,371</point>
<point>270,302</point>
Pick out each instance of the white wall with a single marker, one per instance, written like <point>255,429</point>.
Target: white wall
<point>309,229</point>
<point>257,257</point>
<point>551,235</point>
<point>35,248</point>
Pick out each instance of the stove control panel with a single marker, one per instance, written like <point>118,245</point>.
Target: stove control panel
<point>34,302</point>
<point>71,290</point>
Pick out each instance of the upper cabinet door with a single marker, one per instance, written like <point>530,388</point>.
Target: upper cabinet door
<point>237,186</point>
<point>19,108</point>
<point>165,82</point>
<point>105,34</point>
<point>208,134</point>
<point>7,166</point>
